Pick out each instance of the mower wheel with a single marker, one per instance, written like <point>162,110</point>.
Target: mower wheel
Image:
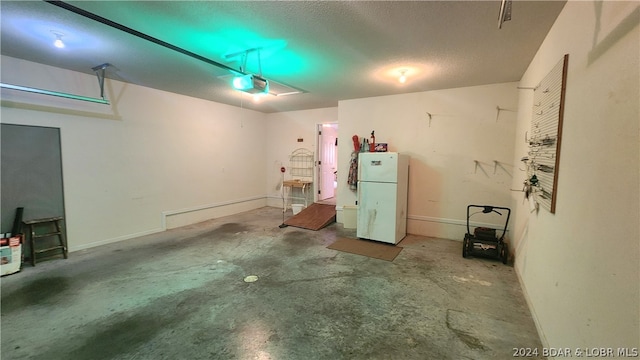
<point>465,245</point>
<point>504,253</point>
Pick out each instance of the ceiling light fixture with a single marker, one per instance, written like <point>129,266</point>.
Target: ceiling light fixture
<point>403,77</point>
<point>58,42</point>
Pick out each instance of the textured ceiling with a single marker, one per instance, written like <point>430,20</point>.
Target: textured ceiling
<point>333,50</point>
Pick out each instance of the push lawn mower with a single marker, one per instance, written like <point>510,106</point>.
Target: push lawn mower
<point>484,242</point>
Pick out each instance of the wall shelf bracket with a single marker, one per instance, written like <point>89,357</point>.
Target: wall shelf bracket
<point>100,72</point>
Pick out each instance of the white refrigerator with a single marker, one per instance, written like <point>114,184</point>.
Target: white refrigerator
<point>383,179</point>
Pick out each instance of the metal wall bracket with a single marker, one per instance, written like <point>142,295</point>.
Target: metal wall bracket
<point>100,72</point>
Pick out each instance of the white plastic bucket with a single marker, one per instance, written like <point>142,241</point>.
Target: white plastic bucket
<point>296,208</point>
<point>350,216</point>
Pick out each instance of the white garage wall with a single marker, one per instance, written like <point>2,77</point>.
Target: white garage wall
<point>283,131</point>
<point>580,266</point>
<point>151,160</point>
<point>453,153</point>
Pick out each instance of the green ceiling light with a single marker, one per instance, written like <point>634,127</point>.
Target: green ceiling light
<point>281,63</point>
<point>242,82</point>
<point>252,84</point>
<point>285,63</point>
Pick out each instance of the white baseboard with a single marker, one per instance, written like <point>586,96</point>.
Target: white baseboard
<point>115,239</point>
<point>454,221</point>
<point>192,215</point>
<point>434,226</point>
<point>536,321</point>
<point>224,208</point>
<point>444,220</point>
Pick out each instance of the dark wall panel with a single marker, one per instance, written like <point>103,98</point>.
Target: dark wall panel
<point>31,173</point>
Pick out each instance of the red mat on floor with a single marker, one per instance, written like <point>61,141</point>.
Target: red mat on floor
<point>368,248</point>
<point>315,217</point>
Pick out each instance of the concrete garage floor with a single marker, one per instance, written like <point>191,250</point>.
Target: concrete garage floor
<point>180,294</point>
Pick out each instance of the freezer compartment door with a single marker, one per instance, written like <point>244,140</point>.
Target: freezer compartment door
<point>377,215</point>
<point>378,167</point>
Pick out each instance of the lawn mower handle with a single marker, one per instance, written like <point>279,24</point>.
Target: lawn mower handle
<point>488,209</point>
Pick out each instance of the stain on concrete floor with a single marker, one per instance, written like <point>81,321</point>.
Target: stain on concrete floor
<point>180,294</point>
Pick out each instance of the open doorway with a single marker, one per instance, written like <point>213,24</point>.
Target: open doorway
<point>327,162</point>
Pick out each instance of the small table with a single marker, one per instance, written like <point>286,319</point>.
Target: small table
<point>297,183</point>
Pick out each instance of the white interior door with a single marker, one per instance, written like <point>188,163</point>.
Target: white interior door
<point>328,158</point>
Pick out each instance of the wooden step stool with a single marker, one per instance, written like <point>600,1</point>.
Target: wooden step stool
<point>52,227</point>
